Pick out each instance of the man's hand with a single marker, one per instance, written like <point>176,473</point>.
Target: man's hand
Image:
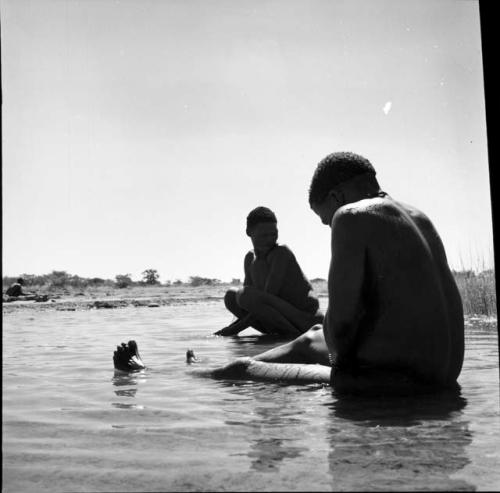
<point>231,330</point>
<point>226,331</point>
<point>235,328</point>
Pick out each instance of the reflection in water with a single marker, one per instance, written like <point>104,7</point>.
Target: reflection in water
<point>129,381</point>
<point>393,442</point>
<point>267,453</point>
<point>269,449</point>
<point>273,413</point>
<point>399,411</point>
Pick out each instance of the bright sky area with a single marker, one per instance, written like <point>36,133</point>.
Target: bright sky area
<point>138,134</point>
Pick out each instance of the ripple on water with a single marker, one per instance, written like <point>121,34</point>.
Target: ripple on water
<point>70,423</point>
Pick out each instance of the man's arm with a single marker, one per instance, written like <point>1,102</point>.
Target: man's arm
<point>279,264</point>
<point>236,327</point>
<point>345,283</point>
<point>242,323</point>
<point>247,262</point>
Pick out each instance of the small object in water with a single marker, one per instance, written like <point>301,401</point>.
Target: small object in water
<point>190,357</point>
<point>127,358</point>
<point>153,305</point>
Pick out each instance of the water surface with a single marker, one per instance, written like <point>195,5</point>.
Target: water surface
<point>71,424</point>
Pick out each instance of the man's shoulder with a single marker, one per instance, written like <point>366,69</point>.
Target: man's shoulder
<point>351,214</point>
<point>280,253</point>
<point>413,211</point>
<point>369,215</point>
<point>249,256</point>
<point>378,207</point>
<point>366,214</point>
<point>283,250</point>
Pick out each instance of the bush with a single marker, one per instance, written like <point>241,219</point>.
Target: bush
<point>58,279</point>
<point>203,281</point>
<point>123,281</point>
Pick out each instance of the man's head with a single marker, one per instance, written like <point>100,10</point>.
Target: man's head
<point>20,281</point>
<point>262,227</point>
<point>334,176</point>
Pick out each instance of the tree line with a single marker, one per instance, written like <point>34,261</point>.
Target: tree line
<point>59,279</point>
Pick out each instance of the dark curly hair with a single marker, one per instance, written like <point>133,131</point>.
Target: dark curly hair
<point>260,215</point>
<point>334,169</point>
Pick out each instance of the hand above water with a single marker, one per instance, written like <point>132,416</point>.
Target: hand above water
<point>230,330</point>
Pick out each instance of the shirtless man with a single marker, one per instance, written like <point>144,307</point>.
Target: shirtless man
<point>395,314</point>
<point>276,296</point>
<point>395,318</point>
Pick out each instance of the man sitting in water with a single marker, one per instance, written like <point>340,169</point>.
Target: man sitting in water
<point>395,315</point>
<point>276,296</point>
<point>395,318</point>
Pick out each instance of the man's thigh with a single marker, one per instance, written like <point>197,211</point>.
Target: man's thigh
<point>251,298</point>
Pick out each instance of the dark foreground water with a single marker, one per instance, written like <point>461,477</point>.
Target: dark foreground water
<point>71,424</point>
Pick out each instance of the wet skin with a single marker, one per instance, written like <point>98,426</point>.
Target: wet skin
<point>395,304</point>
<point>395,314</point>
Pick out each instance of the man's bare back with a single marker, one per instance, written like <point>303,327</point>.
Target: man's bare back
<point>389,273</point>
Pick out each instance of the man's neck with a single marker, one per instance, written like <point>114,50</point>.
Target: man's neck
<point>264,253</point>
<point>355,191</point>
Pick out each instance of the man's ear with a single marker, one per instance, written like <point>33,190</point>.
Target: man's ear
<point>336,194</point>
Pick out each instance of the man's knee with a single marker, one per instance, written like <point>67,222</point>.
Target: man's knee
<point>230,298</point>
<point>249,298</point>
<point>310,337</point>
<point>314,333</point>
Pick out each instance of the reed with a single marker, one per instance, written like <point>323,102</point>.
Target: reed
<point>478,292</point>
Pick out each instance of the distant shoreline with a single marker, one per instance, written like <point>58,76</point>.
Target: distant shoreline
<point>478,294</point>
<point>70,299</point>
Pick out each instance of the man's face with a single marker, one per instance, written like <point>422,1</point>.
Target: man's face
<point>264,236</point>
<point>326,209</point>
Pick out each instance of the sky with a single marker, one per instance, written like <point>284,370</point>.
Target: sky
<point>138,134</point>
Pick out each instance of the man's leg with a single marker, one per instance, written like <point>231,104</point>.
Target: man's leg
<point>309,347</point>
<point>231,303</point>
<point>276,314</point>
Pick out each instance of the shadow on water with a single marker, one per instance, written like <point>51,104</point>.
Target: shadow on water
<point>394,442</point>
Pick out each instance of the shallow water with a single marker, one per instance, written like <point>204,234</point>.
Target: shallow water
<point>71,424</point>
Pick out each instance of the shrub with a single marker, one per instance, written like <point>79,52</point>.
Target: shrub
<point>58,279</point>
<point>203,281</point>
<point>123,281</point>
